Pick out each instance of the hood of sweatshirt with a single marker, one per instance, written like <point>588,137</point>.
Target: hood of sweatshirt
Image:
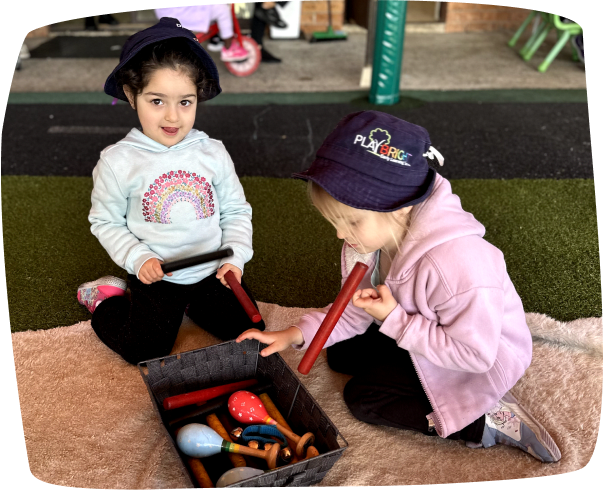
<point>138,139</point>
<point>438,219</point>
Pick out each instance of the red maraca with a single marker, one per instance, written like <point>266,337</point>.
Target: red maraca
<point>247,408</point>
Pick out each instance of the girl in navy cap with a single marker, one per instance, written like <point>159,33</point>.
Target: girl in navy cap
<point>436,335</point>
<point>164,193</point>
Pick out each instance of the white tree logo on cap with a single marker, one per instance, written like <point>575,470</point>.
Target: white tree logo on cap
<point>378,144</point>
<point>384,140</point>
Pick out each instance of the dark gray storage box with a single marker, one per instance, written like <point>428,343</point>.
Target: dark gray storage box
<point>229,362</point>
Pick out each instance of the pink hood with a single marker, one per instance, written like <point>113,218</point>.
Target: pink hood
<point>458,313</point>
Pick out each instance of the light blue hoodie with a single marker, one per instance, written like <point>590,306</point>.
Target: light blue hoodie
<point>170,203</point>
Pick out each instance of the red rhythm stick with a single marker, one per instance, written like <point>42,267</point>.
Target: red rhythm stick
<point>328,324</point>
<point>239,292</point>
<point>207,394</point>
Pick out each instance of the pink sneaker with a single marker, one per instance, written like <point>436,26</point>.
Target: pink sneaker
<point>91,294</point>
<point>235,53</point>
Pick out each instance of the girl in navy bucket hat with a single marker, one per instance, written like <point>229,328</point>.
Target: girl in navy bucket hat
<point>436,335</point>
<point>166,192</point>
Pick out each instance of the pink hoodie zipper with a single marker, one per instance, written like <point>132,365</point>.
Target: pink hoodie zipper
<point>432,418</point>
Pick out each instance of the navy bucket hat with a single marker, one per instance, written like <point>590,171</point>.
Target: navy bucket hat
<point>375,161</point>
<point>166,28</point>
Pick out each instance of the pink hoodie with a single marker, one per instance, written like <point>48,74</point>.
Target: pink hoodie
<point>458,313</point>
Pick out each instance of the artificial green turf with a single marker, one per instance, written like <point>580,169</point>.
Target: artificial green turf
<point>546,228</point>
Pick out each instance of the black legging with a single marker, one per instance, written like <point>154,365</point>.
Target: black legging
<point>145,326</point>
<point>385,388</point>
<point>258,27</point>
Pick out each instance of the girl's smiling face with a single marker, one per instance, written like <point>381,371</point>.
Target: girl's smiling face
<point>167,106</point>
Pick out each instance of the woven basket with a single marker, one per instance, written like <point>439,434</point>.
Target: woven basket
<point>229,362</point>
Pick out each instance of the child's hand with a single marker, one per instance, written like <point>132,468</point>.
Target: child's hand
<point>151,272</point>
<point>277,341</point>
<point>229,267</point>
<point>379,304</point>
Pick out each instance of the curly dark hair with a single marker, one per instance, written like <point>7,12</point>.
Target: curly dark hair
<point>174,53</point>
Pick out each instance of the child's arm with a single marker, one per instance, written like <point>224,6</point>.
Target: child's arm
<point>464,337</point>
<point>277,341</point>
<point>235,215</point>
<point>108,222</point>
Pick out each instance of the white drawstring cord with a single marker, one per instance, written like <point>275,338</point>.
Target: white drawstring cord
<point>433,152</point>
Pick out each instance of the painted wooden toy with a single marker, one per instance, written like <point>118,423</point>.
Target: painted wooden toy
<point>201,441</point>
<point>247,408</point>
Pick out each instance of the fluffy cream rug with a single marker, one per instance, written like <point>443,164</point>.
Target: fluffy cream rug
<point>89,422</point>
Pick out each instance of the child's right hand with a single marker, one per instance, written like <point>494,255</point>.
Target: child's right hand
<point>151,272</point>
<point>277,341</point>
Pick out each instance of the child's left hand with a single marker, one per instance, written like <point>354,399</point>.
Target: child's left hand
<point>379,304</point>
<point>229,267</point>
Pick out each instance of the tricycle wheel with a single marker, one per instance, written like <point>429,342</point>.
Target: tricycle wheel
<point>251,64</point>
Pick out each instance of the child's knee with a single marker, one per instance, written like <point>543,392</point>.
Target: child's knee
<point>356,396</point>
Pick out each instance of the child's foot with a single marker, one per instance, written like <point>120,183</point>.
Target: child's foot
<point>234,53</point>
<point>511,424</point>
<point>91,294</point>
<point>215,44</point>
<point>268,57</point>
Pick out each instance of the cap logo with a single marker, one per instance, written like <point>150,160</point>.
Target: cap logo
<point>378,144</point>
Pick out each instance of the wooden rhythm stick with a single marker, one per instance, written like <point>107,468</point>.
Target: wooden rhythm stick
<point>276,415</point>
<point>206,394</point>
<point>196,260</point>
<point>237,460</point>
<point>198,470</point>
<point>200,441</point>
<point>247,408</point>
<point>239,292</point>
<point>329,322</point>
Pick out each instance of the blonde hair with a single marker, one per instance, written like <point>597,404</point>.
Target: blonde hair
<point>337,213</point>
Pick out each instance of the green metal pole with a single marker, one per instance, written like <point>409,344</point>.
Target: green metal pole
<point>387,57</point>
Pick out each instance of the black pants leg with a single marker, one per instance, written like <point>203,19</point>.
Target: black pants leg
<point>145,325</point>
<point>258,27</point>
<point>386,389</point>
<point>215,308</point>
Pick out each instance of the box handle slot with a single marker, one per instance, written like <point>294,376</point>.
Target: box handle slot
<point>295,478</point>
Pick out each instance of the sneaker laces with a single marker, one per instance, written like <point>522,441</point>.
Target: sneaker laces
<point>432,152</point>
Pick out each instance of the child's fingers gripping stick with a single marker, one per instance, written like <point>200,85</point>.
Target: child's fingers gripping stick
<point>239,292</point>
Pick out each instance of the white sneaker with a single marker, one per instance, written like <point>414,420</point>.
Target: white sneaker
<point>511,424</point>
<point>215,44</point>
<point>24,53</point>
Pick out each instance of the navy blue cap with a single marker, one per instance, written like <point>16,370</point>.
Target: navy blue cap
<point>374,161</point>
<point>166,28</point>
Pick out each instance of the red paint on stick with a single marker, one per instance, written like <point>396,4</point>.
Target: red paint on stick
<point>333,315</point>
<point>206,394</point>
<point>239,292</point>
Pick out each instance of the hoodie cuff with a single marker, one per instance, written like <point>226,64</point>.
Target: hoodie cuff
<point>234,259</point>
<point>308,325</point>
<point>395,324</point>
<point>138,263</point>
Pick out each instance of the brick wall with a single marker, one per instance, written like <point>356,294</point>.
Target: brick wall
<point>315,15</point>
<point>470,17</point>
